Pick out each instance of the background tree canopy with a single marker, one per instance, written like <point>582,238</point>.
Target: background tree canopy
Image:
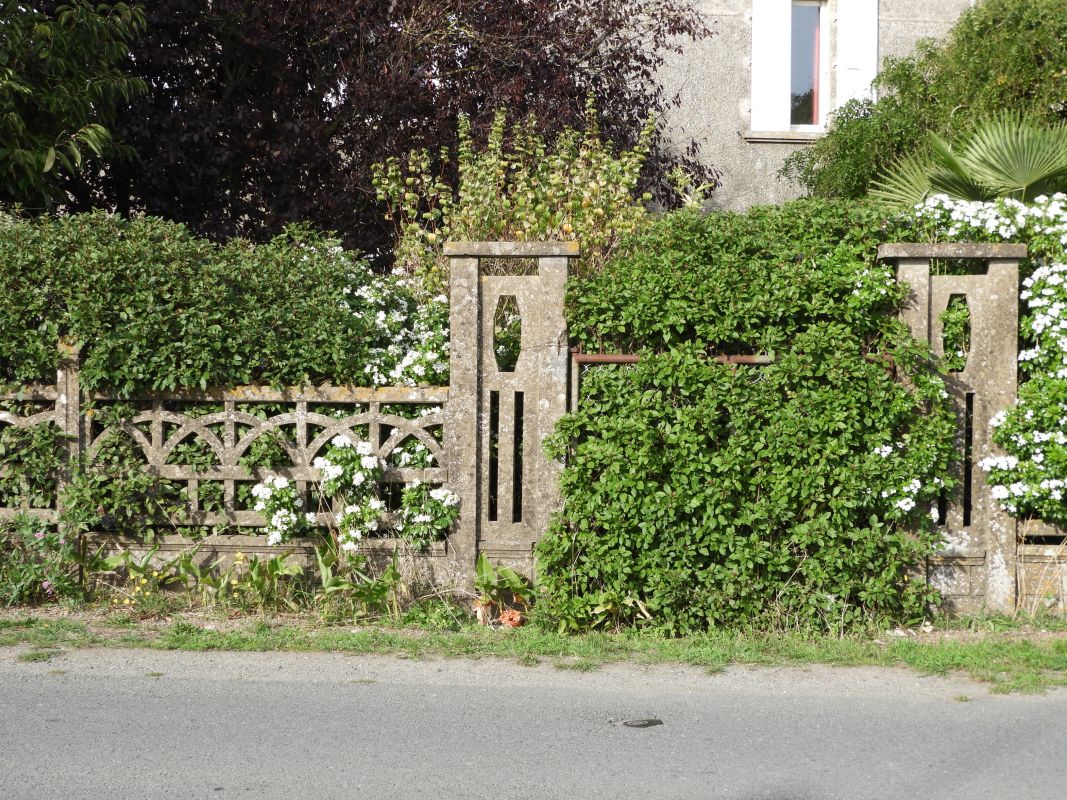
<point>265,112</point>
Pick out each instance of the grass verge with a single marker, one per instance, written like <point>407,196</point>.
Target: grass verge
<point>1008,661</point>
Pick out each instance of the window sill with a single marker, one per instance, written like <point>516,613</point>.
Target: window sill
<point>781,137</point>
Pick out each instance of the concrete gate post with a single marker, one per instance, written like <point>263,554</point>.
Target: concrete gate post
<point>497,419</point>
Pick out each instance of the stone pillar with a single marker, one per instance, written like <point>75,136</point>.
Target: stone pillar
<point>68,414</point>
<point>497,420</point>
<point>977,568</point>
<point>461,428</point>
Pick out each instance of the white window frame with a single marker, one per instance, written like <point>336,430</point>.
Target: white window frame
<point>824,97</point>
<point>855,35</point>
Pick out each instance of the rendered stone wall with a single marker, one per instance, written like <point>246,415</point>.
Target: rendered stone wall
<point>714,80</point>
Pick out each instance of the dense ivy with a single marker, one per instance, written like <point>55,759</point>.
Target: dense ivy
<point>736,279</point>
<point>797,494</point>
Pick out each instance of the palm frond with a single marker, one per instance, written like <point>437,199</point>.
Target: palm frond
<point>958,185</point>
<point>906,182</point>
<point>1016,157</point>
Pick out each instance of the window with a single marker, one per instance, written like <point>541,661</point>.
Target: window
<point>795,85</point>
<point>805,68</point>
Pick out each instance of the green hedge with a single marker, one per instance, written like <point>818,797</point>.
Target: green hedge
<point>796,494</point>
<point>155,308</point>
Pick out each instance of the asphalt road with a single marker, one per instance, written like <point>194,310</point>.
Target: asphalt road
<point>134,724</point>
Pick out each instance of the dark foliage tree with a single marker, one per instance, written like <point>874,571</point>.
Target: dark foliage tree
<point>262,112</point>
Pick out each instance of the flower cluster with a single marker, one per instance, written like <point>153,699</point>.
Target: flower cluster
<point>415,325</point>
<point>905,499</point>
<point>875,282</point>
<point>278,501</point>
<point>1045,295</point>
<point>426,513</point>
<point>350,476</point>
<point>357,521</point>
<point>1031,477</point>
<point>414,456</point>
<point>348,468</point>
<point>350,472</point>
<point>998,220</point>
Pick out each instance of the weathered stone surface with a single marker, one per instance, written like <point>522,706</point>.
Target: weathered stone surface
<point>928,250</point>
<point>509,496</point>
<point>512,249</point>
<point>961,581</point>
<point>979,536</point>
<point>461,413</point>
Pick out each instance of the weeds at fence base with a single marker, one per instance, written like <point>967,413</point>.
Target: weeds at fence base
<point>1019,658</point>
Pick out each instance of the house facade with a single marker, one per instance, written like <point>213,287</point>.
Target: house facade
<point>768,81</point>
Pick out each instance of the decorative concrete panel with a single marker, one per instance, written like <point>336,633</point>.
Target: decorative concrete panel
<point>508,501</point>
<point>978,564</point>
<point>484,431</point>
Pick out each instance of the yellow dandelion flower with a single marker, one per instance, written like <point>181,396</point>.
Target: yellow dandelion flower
<point>144,581</point>
<point>127,601</point>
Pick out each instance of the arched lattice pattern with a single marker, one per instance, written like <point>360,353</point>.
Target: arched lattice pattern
<point>224,428</point>
<point>300,432</point>
<point>25,410</point>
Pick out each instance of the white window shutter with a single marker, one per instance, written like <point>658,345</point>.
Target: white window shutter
<point>771,24</point>
<point>857,48</point>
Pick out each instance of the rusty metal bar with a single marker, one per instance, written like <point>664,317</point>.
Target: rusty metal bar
<point>627,358</point>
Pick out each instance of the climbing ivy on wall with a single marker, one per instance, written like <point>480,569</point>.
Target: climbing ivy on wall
<point>798,494</point>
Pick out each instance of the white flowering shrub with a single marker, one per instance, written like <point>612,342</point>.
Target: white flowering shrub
<point>425,513</point>
<point>904,494</point>
<point>413,324</point>
<point>359,520</point>
<point>413,454</point>
<point>351,474</point>
<point>348,468</point>
<point>1031,480</point>
<point>1043,222</point>
<point>278,501</point>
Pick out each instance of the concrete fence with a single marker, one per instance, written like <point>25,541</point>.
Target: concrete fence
<point>485,429</point>
<point>989,560</point>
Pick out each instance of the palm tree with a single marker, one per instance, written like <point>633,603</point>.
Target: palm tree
<point>1006,156</point>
